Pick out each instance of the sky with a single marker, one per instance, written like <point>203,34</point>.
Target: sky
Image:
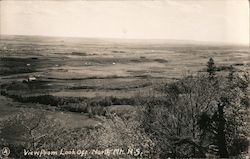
<point>225,21</point>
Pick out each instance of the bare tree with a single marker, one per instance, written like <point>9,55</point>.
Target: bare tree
<point>203,116</point>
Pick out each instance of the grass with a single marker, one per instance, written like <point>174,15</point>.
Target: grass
<point>92,106</point>
<point>15,70</point>
<point>12,65</point>
<point>8,108</point>
<point>73,104</point>
<point>42,99</point>
<point>142,85</point>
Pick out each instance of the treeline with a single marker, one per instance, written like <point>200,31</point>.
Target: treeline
<point>95,105</point>
<point>206,116</point>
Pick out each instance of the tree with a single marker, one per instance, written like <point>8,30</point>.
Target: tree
<point>175,123</point>
<point>231,73</point>
<point>220,128</point>
<point>202,116</point>
<point>226,126</point>
<point>211,68</point>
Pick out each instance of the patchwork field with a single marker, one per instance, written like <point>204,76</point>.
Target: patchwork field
<point>99,68</point>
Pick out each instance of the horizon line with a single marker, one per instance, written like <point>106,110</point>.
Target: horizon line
<point>197,42</point>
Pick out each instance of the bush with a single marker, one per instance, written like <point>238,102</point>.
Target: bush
<point>43,132</point>
<point>201,115</point>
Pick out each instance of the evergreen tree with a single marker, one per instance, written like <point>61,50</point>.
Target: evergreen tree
<point>211,68</point>
<point>231,73</point>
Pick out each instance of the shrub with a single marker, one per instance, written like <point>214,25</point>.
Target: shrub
<point>201,115</point>
<point>43,132</point>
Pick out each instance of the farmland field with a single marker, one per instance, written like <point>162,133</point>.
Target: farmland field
<point>76,67</point>
<point>89,69</point>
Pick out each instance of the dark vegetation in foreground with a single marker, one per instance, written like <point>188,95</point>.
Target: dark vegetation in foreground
<point>199,116</point>
<point>207,116</point>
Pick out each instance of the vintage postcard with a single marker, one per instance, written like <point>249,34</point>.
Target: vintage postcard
<point>124,79</point>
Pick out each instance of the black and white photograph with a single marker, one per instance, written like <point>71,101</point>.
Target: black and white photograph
<point>124,79</point>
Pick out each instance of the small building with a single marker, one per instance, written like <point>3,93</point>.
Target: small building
<point>32,78</point>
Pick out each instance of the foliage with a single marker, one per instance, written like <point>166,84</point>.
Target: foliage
<point>204,116</point>
<point>211,68</point>
<point>34,130</point>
